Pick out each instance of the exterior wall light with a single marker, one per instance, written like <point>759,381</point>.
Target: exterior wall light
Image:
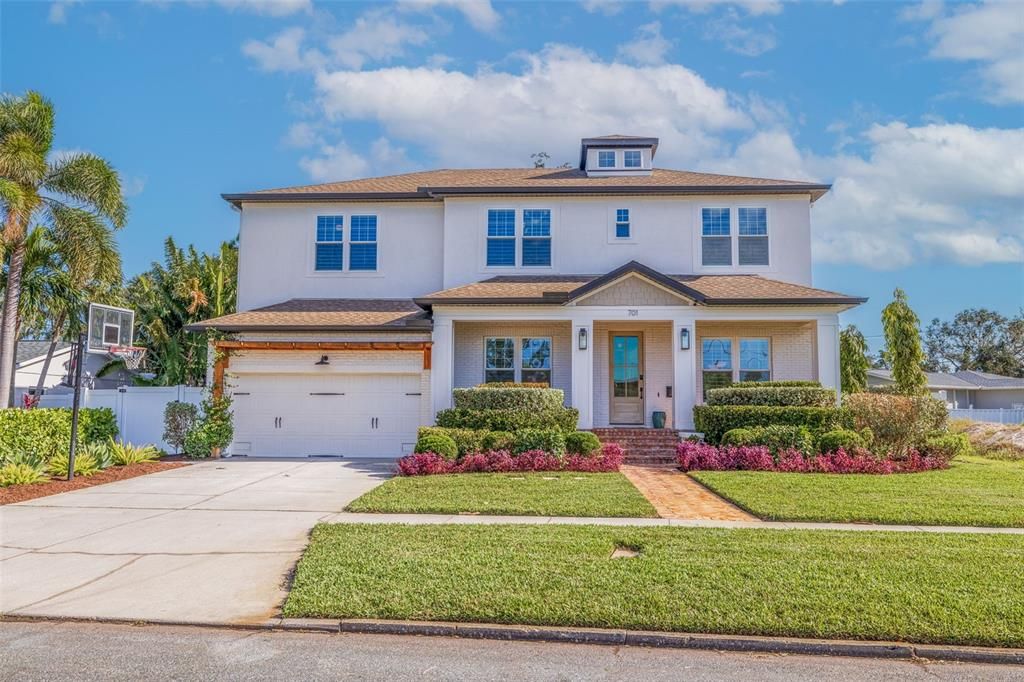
<point>322,361</point>
<point>582,339</point>
<point>684,338</point>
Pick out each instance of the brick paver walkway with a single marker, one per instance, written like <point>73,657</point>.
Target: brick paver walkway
<point>677,496</point>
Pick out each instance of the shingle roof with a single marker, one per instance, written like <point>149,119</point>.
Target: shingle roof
<point>935,379</point>
<point>326,314</point>
<point>962,379</point>
<point>430,184</point>
<point>704,289</point>
<point>28,350</point>
<point>989,380</point>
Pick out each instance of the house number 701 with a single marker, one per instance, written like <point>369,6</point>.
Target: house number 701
<point>633,312</point>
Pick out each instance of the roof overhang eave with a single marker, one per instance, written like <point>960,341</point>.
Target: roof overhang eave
<point>816,191</point>
<point>237,200</point>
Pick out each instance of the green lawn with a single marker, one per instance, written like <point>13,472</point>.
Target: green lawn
<point>921,587</point>
<point>523,494</point>
<point>974,491</point>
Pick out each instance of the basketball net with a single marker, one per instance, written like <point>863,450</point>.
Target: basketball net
<point>130,355</point>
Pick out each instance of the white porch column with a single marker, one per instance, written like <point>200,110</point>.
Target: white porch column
<point>442,365</point>
<point>684,365</point>
<point>583,373</point>
<point>828,352</point>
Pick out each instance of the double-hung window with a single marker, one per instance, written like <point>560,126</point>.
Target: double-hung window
<point>716,363</point>
<point>536,237</point>
<point>362,250</point>
<point>631,158</point>
<point>606,159</point>
<point>753,236</point>
<point>535,361</point>
<point>622,223</point>
<point>329,232</point>
<point>499,360</point>
<point>501,237</point>
<point>716,239</point>
<point>755,360</point>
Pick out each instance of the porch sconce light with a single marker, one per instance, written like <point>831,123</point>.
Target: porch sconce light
<point>582,340</point>
<point>322,361</point>
<point>684,338</point>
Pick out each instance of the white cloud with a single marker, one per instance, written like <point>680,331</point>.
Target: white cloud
<point>990,34</point>
<point>738,38</point>
<point>301,135</point>
<point>480,13</point>
<point>133,185</point>
<point>752,7</point>
<point>270,8</point>
<point>375,36</point>
<point>648,46</point>
<point>58,13</point>
<point>283,52</point>
<point>335,162</point>
<point>609,8</point>
<point>755,73</point>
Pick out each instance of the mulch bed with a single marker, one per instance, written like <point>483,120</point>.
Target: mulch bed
<point>21,493</point>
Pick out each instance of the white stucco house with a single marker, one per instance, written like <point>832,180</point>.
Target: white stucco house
<point>363,303</point>
<point>966,389</point>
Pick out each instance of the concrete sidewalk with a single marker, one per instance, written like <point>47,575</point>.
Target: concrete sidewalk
<point>211,541</point>
<point>347,517</point>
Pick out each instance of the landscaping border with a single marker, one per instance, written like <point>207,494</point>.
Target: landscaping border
<point>640,638</point>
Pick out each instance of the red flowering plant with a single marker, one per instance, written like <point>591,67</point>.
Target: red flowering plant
<point>501,461</point>
<point>699,456</point>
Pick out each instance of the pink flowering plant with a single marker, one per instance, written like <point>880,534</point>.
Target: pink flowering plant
<point>502,461</point>
<point>700,456</point>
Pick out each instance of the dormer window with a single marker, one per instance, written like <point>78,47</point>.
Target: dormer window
<point>606,159</point>
<point>618,155</point>
<point>631,158</point>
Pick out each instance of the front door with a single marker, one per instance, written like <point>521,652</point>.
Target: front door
<point>626,403</point>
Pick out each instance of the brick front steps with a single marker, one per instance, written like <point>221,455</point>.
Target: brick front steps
<point>642,446</point>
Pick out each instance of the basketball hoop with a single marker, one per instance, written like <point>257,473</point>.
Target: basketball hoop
<point>130,355</point>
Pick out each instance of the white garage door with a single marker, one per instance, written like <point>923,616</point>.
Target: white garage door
<point>300,415</point>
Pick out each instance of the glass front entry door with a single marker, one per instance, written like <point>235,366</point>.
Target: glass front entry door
<point>626,401</point>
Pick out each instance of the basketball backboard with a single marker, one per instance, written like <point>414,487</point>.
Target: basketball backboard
<point>109,326</point>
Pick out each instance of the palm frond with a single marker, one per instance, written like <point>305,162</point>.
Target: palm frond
<point>93,182</point>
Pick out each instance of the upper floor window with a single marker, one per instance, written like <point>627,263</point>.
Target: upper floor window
<point>631,158</point>
<point>501,237</point>
<point>753,236</point>
<point>536,237</point>
<point>716,240</point>
<point>362,250</point>
<point>606,159</point>
<point>329,234</point>
<point>622,223</point>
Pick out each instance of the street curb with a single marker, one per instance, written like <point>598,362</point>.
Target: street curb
<point>573,635</point>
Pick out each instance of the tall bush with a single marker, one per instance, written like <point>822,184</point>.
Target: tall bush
<point>853,360</point>
<point>179,419</point>
<point>45,432</point>
<point>214,430</point>
<point>898,422</point>
<point>902,331</point>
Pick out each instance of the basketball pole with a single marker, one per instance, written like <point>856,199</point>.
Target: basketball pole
<point>75,405</point>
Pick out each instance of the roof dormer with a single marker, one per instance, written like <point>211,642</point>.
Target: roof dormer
<point>617,155</point>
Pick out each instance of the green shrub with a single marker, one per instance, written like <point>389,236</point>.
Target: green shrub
<point>489,397</point>
<point>124,454</point>
<point>20,473</point>
<point>898,422</point>
<point>582,443</point>
<point>44,432</point>
<point>714,420</point>
<point>830,441</point>
<point>740,436</point>
<point>801,396</point>
<point>467,441</point>
<point>101,451</point>
<point>439,444</point>
<point>867,435</point>
<point>563,418</point>
<point>947,446</point>
<point>179,419</point>
<point>85,464</point>
<point>779,437</point>
<point>514,384</point>
<point>213,431</point>
<point>787,383</point>
<point>497,440</point>
<point>551,441</point>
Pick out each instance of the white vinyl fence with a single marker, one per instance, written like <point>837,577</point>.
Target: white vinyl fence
<point>139,409</point>
<point>999,416</point>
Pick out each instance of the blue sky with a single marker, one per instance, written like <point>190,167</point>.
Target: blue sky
<point>914,111</point>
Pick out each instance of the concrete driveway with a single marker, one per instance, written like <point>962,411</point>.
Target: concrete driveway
<point>208,542</point>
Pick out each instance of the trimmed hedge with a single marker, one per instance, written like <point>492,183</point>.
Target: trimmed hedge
<point>514,384</point>
<point>714,420</point>
<point>947,445</point>
<point>779,396</point>
<point>789,383</point>
<point>467,441</point>
<point>439,444</point>
<point>508,398</point>
<point>550,441</point>
<point>776,438</point>
<point>564,419</point>
<point>840,439</point>
<point>45,432</point>
<point>582,443</point>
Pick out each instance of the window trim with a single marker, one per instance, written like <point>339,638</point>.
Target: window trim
<point>628,222</point>
<point>517,356</point>
<point>734,226</point>
<point>701,236</point>
<point>767,235</point>
<point>640,163</point>
<point>339,242</point>
<point>519,236</point>
<point>345,272</point>
<point>523,237</point>
<point>514,238</point>
<point>735,358</point>
<point>551,358</point>
<point>615,156</point>
<point>376,242</point>
<point>487,369</point>
<point>739,353</point>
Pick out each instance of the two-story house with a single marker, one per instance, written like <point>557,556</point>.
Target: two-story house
<point>632,288</point>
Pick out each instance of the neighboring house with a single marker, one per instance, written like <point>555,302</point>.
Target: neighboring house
<point>966,389</point>
<point>632,288</point>
<point>31,355</point>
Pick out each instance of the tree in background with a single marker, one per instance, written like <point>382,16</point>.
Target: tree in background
<point>977,339</point>
<point>853,360</point>
<point>187,287</point>
<point>72,196</point>
<point>902,331</point>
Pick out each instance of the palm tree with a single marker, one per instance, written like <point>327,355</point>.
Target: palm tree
<point>73,194</point>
